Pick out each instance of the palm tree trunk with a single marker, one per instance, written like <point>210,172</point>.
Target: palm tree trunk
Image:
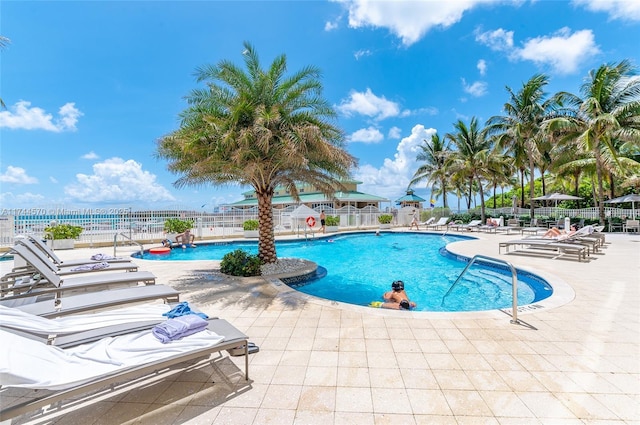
<point>443,183</point>
<point>266,237</point>
<point>600,177</point>
<point>532,181</point>
<point>482,215</point>
<point>522,187</point>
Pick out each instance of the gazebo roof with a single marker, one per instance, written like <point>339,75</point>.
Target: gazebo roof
<point>410,197</point>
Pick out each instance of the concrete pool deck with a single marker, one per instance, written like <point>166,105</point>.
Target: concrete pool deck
<point>574,360</point>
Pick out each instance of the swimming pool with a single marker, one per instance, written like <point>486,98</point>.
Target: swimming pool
<point>361,266</point>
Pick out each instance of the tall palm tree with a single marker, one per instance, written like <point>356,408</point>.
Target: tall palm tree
<point>470,159</point>
<point>519,131</point>
<point>258,127</point>
<point>433,170</point>
<point>606,113</point>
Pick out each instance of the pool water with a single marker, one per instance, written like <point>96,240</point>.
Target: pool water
<point>361,267</point>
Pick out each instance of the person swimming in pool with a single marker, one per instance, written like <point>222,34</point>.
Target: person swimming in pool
<point>397,298</point>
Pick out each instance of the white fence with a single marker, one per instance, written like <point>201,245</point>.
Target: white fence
<point>101,226</point>
<point>104,226</point>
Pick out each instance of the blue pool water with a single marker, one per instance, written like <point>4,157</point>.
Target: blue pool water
<point>360,268</point>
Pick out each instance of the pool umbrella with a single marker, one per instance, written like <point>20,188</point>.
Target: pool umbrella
<point>633,198</point>
<point>556,197</point>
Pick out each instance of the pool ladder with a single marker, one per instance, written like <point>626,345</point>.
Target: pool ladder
<point>115,243</point>
<point>514,283</point>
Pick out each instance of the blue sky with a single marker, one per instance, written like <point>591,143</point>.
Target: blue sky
<point>91,85</point>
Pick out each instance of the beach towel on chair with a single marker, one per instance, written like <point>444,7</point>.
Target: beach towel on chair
<point>90,266</point>
<point>103,257</point>
<point>179,327</point>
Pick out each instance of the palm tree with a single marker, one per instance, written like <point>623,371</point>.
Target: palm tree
<point>261,128</point>
<point>519,131</point>
<point>433,171</point>
<point>470,159</point>
<point>607,113</point>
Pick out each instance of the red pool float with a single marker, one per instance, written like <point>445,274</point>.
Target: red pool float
<point>160,250</point>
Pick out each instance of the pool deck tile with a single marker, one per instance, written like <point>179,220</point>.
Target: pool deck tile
<point>573,359</point>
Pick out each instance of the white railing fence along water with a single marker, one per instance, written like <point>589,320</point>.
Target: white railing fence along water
<point>100,225</point>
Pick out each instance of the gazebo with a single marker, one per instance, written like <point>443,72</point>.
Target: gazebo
<point>410,200</point>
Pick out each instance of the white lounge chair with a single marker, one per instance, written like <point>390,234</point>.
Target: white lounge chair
<point>32,364</point>
<point>86,267</point>
<point>442,221</point>
<point>533,245</point>
<point>46,249</point>
<point>470,227</point>
<point>49,282</point>
<point>92,301</point>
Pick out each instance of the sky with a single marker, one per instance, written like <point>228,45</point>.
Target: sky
<point>90,86</point>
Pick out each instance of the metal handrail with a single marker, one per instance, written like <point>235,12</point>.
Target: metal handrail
<point>115,241</point>
<point>514,283</point>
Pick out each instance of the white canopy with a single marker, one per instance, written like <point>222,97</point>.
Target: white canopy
<point>304,211</point>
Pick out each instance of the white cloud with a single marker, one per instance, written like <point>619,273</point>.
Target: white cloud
<point>499,40</point>
<point>394,133</point>
<point>477,89</point>
<point>362,53</point>
<point>482,67</point>
<point>117,180</point>
<point>367,135</point>
<point>330,26</point>
<point>90,155</point>
<point>563,51</point>
<point>23,116</point>
<point>20,201</point>
<point>408,20</point>
<point>391,180</point>
<point>17,175</point>
<point>628,10</point>
<point>370,105</point>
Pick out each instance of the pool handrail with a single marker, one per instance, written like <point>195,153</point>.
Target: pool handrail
<point>514,282</point>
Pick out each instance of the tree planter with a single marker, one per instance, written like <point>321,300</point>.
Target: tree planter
<point>61,243</point>
<point>251,234</point>
<point>331,228</point>
<point>385,226</point>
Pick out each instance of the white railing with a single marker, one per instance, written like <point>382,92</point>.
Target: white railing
<point>100,225</point>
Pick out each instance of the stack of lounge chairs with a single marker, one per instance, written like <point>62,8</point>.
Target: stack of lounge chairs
<point>70,328</point>
<point>580,244</point>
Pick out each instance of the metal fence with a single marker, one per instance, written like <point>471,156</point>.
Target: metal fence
<point>102,226</point>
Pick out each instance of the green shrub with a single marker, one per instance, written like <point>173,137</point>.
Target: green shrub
<point>176,225</point>
<point>250,225</point>
<point>332,220</point>
<point>62,231</point>
<point>385,218</point>
<point>240,263</point>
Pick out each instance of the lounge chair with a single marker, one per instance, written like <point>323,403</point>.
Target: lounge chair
<point>471,226</point>
<point>585,236</point>
<point>49,282</point>
<point>533,228</point>
<point>46,249</point>
<point>438,224</point>
<point>92,301</point>
<point>27,363</point>
<point>513,224</point>
<point>631,225</point>
<point>533,245</point>
<point>87,267</point>
<point>427,222</point>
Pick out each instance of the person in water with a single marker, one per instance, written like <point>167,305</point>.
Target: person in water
<point>397,298</point>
